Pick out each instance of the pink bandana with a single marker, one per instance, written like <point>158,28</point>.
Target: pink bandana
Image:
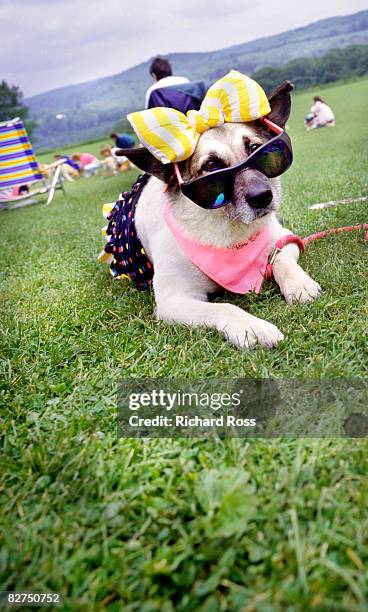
<point>240,268</point>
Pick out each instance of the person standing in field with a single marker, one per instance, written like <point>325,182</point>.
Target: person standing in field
<point>161,72</point>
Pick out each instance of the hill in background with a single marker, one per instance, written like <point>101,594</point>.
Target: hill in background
<point>91,109</point>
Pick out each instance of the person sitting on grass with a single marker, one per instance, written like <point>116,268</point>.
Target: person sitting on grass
<point>321,115</point>
<point>122,141</point>
<point>109,162</point>
<point>88,163</point>
<point>124,164</point>
<point>19,190</point>
<point>70,168</point>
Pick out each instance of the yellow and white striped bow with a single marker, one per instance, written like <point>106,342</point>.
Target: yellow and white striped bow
<point>172,136</point>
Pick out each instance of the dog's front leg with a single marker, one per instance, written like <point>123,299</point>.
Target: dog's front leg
<point>295,284</point>
<point>180,301</point>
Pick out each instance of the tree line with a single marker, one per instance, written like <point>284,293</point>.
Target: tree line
<point>11,105</point>
<point>336,65</point>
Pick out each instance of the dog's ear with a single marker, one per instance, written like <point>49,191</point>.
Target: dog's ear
<point>280,102</point>
<point>144,160</point>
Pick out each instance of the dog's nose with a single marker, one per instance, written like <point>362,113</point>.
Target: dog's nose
<point>259,196</point>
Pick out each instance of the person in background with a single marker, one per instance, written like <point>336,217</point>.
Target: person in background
<point>68,160</point>
<point>19,190</point>
<point>161,72</point>
<point>87,163</point>
<point>70,168</point>
<point>123,141</point>
<point>109,162</point>
<point>321,115</point>
<point>12,193</point>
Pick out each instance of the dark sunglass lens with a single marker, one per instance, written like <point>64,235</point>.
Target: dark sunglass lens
<point>219,191</point>
<point>210,191</point>
<point>273,159</point>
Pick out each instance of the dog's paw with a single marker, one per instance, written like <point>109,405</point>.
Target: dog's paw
<point>295,284</point>
<point>300,288</point>
<point>246,331</point>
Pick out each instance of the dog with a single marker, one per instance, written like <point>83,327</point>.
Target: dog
<point>181,289</point>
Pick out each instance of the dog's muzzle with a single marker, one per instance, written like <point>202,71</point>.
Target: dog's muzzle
<point>259,195</point>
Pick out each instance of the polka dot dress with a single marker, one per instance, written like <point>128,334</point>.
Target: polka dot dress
<point>128,255</point>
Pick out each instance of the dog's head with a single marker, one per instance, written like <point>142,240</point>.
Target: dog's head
<point>255,195</point>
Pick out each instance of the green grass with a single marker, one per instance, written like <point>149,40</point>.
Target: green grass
<point>132,524</point>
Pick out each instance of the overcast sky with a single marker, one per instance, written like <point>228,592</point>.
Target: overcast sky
<point>51,43</point>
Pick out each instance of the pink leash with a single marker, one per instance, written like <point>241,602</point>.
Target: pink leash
<point>303,242</point>
<point>336,230</point>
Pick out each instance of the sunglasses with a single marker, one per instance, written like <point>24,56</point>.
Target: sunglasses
<point>216,189</point>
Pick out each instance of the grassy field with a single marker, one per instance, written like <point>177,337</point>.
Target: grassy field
<point>132,524</point>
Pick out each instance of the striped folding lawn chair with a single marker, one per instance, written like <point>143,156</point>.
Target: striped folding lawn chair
<point>19,167</point>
